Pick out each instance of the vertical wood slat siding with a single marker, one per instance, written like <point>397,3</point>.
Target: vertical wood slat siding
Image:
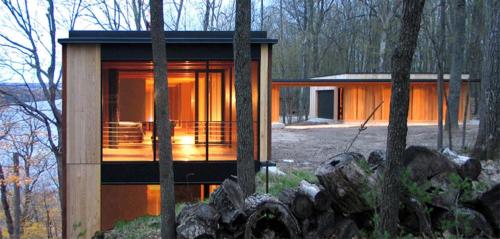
<point>360,100</point>
<point>275,104</point>
<point>264,102</point>
<point>83,140</point>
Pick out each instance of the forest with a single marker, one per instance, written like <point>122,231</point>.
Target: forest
<point>315,38</point>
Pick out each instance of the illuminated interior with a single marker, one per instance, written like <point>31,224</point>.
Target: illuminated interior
<point>202,109</point>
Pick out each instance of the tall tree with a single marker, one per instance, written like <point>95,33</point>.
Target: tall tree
<point>162,120</point>
<point>34,41</point>
<point>5,203</point>
<point>487,141</point>
<point>457,60</point>
<point>178,9</point>
<point>243,87</point>
<point>397,129</point>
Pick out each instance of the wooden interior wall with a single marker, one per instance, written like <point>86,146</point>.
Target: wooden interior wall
<point>83,139</point>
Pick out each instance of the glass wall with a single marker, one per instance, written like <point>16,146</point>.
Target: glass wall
<point>202,108</point>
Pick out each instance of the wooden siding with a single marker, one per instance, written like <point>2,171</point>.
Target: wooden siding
<point>264,102</point>
<point>83,141</point>
<point>275,103</point>
<point>361,98</point>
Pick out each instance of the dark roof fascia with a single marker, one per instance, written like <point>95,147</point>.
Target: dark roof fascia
<point>358,81</point>
<point>171,37</point>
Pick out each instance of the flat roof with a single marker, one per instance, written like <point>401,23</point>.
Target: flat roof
<point>171,37</point>
<point>371,78</point>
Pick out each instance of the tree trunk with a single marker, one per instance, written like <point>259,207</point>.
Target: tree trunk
<point>179,14</point>
<point>17,197</point>
<point>487,141</point>
<point>243,87</point>
<point>397,129</point>
<point>457,59</point>
<point>166,175</point>
<point>206,16</point>
<point>440,80</point>
<point>5,203</point>
<point>382,47</point>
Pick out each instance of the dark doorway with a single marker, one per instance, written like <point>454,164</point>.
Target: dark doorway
<point>325,104</point>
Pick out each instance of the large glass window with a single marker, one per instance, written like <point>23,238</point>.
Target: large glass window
<point>202,108</point>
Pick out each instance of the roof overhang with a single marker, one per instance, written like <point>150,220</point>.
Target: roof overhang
<point>171,37</point>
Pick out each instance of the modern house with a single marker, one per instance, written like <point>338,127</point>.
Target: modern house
<point>353,97</point>
<point>110,150</point>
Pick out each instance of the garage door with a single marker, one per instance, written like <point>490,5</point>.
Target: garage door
<point>325,104</point>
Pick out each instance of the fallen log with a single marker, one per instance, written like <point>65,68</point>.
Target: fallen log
<point>321,225</point>
<point>467,167</point>
<point>347,181</point>
<point>466,223</point>
<point>423,163</point>
<point>345,228</point>
<point>298,202</point>
<point>414,218</point>
<point>317,194</point>
<point>376,159</point>
<point>199,220</point>
<point>428,167</point>
<point>488,203</point>
<point>228,200</point>
<point>269,218</point>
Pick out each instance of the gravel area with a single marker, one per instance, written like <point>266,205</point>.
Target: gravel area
<point>305,147</point>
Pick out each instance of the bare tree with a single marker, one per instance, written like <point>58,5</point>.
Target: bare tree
<point>397,129</point>
<point>457,59</point>
<point>117,14</point>
<point>438,46</point>
<point>178,8</point>
<point>487,141</point>
<point>385,11</point>
<point>243,87</point>
<point>163,120</point>
<point>5,203</point>
<point>39,60</point>
<point>17,197</point>
<point>440,80</point>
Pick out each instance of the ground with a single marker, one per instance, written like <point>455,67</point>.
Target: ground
<point>305,147</point>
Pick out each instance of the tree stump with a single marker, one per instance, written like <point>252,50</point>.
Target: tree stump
<point>316,194</point>
<point>269,218</point>
<point>347,181</point>
<point>199,220</point>
<point>298,202</point>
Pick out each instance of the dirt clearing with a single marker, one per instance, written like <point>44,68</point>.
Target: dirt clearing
<point>304,147</point>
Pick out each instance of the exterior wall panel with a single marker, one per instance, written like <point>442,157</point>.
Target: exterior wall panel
<point>83,139</point>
